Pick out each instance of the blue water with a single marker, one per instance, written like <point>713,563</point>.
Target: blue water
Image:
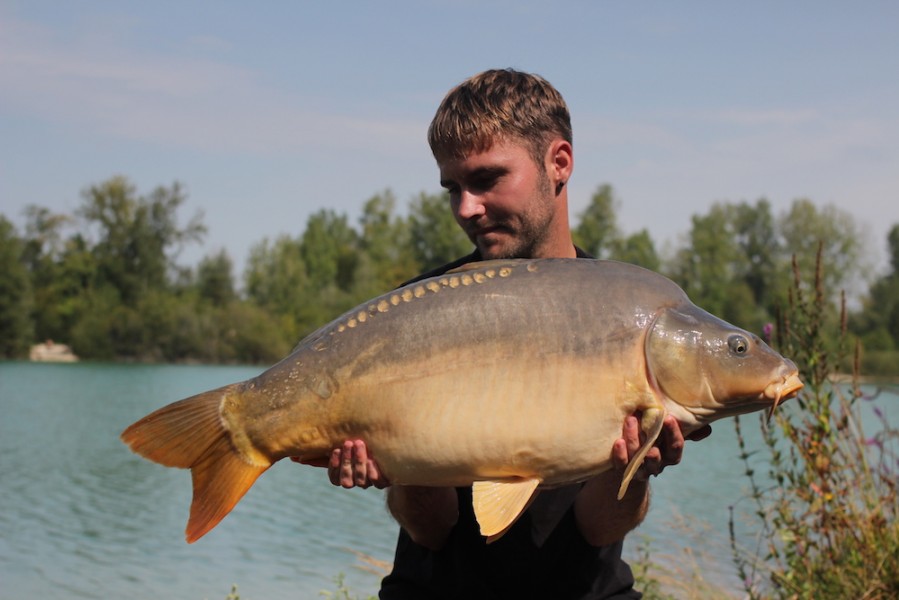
<point>82,517</point>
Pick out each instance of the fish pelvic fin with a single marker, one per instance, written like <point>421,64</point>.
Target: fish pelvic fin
<point>498,504</point>
<point>651,424</point>
<point>190,434</point>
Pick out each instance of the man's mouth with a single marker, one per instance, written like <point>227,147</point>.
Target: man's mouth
<point>485,231</point>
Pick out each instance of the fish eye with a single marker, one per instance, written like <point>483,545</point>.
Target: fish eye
<point>738,344</point>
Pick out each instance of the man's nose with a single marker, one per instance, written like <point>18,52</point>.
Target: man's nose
<point>470,205</point>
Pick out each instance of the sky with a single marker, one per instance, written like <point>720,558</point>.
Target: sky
<point>267,112</point>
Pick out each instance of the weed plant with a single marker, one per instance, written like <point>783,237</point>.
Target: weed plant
<point>828,508</point>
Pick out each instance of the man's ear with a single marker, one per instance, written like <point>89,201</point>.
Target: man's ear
<point>559,163</point>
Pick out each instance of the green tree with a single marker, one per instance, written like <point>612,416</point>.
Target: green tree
<point>877,323</point>
<point>91,335</point>
<point>711,266</point>
<point>435,237</point>
<point>893,242</point>
<point>215,279</point>
<point>276,281</point>
<point>132,242</point>
<point>329,249</point>
<point>597,229</point>
<point>44,233</point>
<point>757,238</point>
<point>638,249</point>
<point>57,278</point>
<point>738,257</point>
<point>16,331</point>
<point>137,237</point>
<point>250,335</point>
<point>890,297</point>
<point>597,232</point>
<point>805,226</point>
<point>63,299</point>
<point>384,242</point>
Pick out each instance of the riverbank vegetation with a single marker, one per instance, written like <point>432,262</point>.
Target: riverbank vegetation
<point>106,278</point>
<point>826,504</point>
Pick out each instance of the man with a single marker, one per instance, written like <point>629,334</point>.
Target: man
<point>503,144</point>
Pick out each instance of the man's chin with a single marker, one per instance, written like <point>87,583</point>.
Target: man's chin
<point>499,244</point>
<point>497,251</point>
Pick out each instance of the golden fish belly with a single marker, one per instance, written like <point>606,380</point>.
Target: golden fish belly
<point>447,419</point>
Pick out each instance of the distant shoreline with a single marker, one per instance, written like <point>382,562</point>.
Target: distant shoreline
<point>865,379</point>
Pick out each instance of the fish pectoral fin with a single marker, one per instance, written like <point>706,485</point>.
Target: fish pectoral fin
<point>651,424</point>
<point>498,504</point>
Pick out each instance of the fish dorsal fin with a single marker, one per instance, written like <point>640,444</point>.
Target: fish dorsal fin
<point>651,424</point>
<point>498,504</point>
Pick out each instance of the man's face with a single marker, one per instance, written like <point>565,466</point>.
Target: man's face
<point>502,200</point>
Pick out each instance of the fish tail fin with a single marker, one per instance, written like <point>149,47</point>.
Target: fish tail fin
<point>190,434</point>
<point>220,479</point>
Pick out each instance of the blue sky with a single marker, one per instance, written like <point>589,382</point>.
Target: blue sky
<point>269,111</point>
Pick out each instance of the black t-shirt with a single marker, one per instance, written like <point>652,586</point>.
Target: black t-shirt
<point>542,556</point>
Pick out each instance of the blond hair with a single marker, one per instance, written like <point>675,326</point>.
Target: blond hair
<point>496,106</point>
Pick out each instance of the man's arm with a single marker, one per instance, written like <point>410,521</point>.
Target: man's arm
<point>428,514</point>
<point>603,519</point>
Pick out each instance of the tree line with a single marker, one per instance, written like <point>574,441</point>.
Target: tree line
<point>105,279</point>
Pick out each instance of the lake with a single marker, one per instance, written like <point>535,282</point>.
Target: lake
<point>83,517</point>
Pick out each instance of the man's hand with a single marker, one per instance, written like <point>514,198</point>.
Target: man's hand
<point>428,514</point>
<point>350,466</point>
<point>668,449</point>
<point>603,519</point>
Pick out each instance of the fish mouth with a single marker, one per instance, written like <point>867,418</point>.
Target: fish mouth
<point>784,389</point>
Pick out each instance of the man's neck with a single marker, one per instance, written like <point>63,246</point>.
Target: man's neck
<point>562,248</point>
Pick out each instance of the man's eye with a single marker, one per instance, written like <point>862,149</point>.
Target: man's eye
<point>483,183</point>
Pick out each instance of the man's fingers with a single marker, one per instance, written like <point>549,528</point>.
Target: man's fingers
<point>619,454</point>
<point>375,476</point>
<point>672,443</point>
<point>360,465</point>
<point>652,464</point>
<point>631,435</point>
<point>700,434</point>
<point>347,465</point>
<point>334,466</point>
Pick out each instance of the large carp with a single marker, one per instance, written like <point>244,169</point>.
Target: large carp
<point>508,375</point>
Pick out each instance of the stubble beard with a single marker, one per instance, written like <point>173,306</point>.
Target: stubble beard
<point>533,229</point>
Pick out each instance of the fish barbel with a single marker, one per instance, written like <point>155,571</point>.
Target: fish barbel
<point>510,376</point>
